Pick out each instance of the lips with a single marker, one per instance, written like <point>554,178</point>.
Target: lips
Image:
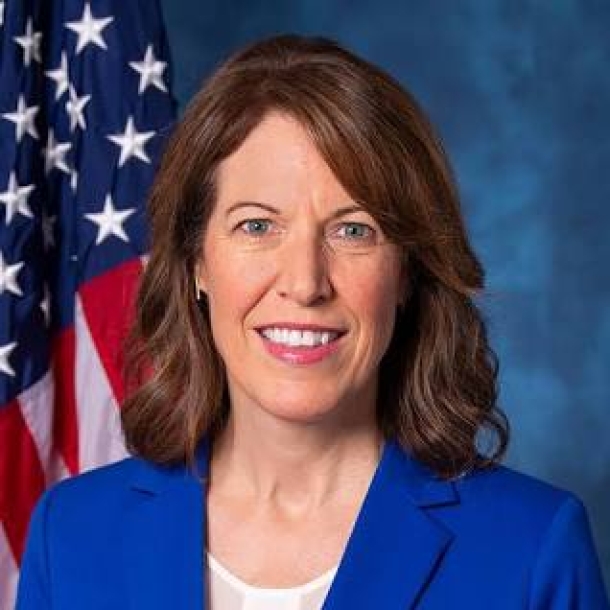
<point>300,344</point>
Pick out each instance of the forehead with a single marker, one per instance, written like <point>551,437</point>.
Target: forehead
<point>278,161</point>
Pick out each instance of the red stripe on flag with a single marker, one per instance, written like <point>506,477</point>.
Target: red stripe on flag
<point>21,476</point>
<point>108,304</point>
<point>65,423</point>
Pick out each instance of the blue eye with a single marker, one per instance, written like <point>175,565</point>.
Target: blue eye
<point>256,226</point>
<point>356,231</point>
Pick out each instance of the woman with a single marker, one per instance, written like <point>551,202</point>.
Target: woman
<point>313,378</point>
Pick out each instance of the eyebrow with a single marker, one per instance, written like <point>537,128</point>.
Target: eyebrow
<point>269,208</point>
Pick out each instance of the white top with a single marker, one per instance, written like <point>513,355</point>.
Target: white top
<point>227,592</point>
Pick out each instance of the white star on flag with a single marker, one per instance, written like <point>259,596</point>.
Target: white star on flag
<point>110,221</point>
<point>150,71</point>
<point>30,42</point>
<point>89,29</point>
<point>132,142</point>
<point>75,108</point>
<point>60,76</point>
<point>23,117</point>
<point>8,277</point>
<point>5,352</point>
<point>55,154</point>
<point>1,13</point>
<point>15,198</point>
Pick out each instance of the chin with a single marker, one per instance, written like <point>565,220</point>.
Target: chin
<point>300,409</point>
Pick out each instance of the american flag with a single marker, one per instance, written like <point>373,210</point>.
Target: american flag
<point>84,108</point>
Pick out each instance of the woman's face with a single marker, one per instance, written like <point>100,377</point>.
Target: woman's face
<point>302,285</point>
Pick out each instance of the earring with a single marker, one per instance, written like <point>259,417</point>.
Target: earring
<point>199,294</point>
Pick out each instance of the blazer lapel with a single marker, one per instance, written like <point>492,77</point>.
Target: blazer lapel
<point>164,546</point>
<point>395,546</point>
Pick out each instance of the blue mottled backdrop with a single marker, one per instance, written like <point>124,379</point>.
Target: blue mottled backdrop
<point>520,92</point>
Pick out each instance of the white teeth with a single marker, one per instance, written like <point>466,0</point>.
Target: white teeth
<point>299,338</point>
<point>309,338</point>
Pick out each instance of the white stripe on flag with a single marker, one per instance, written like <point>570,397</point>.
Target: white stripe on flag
<point>99,429</point>
<point>36,405</point>
<point>9,573</point>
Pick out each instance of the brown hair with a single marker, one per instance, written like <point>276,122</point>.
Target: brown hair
<point>438,378</point>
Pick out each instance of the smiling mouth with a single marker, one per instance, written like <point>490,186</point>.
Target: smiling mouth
<point>291,337</point>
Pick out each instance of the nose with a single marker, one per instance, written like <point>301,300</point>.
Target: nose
<point>303,271</point>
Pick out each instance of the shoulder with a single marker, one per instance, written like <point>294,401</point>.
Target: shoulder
<point>505,486</point>
<point>514,502</point>
<point>102,495</point>
<point>94,488</point>
<point>532,518</point>
<point>526,517</point>
<point>110,476</point>
<point>521,529</point>
<point>75,524</point>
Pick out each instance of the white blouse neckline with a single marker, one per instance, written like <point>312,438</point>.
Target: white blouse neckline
<point>250,590</point>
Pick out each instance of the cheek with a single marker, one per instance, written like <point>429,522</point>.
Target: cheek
<point>234,286</point>
<point>373,287</point>
<point>375,299</point>
<point>379,307</point>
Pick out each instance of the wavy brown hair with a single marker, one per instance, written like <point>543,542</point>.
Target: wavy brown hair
<point>438,379</point>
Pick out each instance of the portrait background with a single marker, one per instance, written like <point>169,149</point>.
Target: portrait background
<point>520,93</point>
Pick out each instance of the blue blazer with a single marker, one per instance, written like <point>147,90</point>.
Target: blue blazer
<point>131,536</point>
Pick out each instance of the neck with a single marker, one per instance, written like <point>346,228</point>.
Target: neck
<point>295,466</point>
